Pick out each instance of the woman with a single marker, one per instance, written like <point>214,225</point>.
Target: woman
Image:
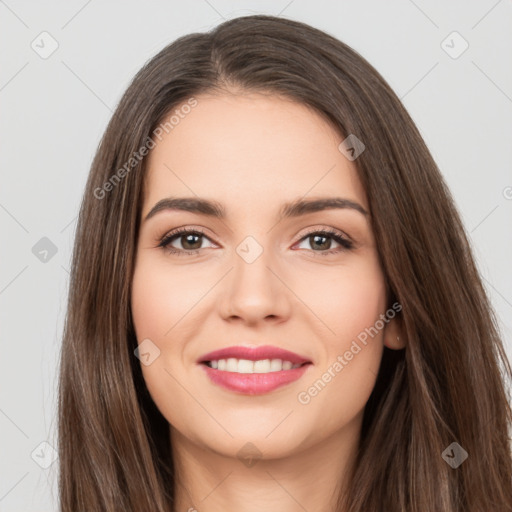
<point>273,303</point>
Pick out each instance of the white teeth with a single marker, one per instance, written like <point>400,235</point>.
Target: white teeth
<point>287,365</point>
<point>246,366</point>
<point>276,365</point>
<point>262,366</point>
<point>231,365</point>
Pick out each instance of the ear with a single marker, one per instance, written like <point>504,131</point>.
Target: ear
<point>393,337</point>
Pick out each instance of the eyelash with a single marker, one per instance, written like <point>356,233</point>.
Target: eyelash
<point>345,243</point>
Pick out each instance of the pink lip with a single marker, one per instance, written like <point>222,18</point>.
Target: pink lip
<point>254,383</point>
<point>254,354</point>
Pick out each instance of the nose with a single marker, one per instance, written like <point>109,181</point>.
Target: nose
<point>255,291</point>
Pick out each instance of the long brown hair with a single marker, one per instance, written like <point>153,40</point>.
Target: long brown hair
<point>449,383</point>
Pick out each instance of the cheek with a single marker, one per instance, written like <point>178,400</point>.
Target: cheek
<point>350,305</point>
<point>161,296</point>
<point>148,298</point>
<point>157,306</point>
<point>359,305</point>
<point>159,299</point>
<point>347,300</point>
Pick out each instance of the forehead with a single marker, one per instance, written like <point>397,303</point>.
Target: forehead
<point>249,149</point>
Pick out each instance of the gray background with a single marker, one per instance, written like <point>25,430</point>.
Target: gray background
<point>54,111</point>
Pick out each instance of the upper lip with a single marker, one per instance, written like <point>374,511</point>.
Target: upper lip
<point>254,354</point>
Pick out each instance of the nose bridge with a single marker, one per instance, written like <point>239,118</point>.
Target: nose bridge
<point>254,292</point>
<point>251,260</point>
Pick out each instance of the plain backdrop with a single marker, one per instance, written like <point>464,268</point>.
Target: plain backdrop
<point>63,68</point>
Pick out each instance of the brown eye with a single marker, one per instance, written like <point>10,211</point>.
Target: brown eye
<point>190,240</point>
<point>321,241</point>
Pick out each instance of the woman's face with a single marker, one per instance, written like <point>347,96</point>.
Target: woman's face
<point>255,278</point>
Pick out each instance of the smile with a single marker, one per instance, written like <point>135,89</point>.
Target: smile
<point>253,370</point>
<point>247,366</point>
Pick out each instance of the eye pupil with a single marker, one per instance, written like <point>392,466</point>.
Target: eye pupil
<point>315,242</point>
<point>188,238</point>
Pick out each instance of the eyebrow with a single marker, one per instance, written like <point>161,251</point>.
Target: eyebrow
<point>216,210</point>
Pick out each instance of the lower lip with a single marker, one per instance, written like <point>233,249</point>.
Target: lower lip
<point>254,383</point>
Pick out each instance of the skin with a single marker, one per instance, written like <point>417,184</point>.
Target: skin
<point>252,152</point>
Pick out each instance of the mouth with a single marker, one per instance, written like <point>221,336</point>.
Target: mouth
<point>253,370</point>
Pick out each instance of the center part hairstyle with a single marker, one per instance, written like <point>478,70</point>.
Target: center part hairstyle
<point>448,384</point>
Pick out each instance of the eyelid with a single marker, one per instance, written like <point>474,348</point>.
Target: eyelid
<point>308,231</point>
<point>340,237</point>
<point>327,229</point>
<point>345,241</point>
<point>182,230</point>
